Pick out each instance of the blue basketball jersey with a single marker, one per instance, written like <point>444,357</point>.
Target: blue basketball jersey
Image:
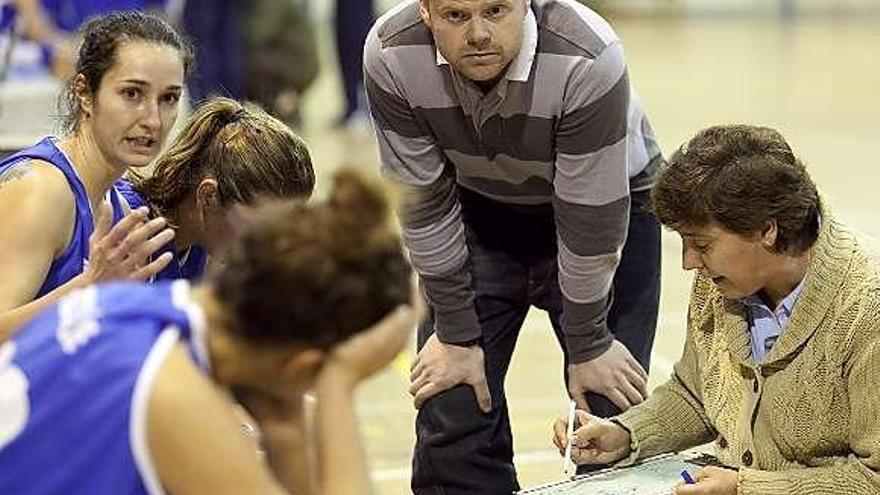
<point>190,265</point>
<point>73,260</point>
<point>76,382</point>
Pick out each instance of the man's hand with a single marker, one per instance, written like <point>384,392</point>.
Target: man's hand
<point>440,366</point>
<point>711,480</point>
<point>596,440</point>
<point>615,374</point>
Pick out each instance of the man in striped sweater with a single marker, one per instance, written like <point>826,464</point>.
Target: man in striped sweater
<point>512,127</point>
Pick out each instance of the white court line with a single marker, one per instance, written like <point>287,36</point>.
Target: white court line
<point>521,459</point>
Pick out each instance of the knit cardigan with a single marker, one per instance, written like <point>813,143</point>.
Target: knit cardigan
<point>807,419</point>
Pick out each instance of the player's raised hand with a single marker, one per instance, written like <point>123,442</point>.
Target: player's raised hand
<point>596,440</point>
<point>123,252</point>
<point>369,351</point>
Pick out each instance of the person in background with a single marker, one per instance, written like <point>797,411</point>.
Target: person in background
<point>351,22</point>
<point>216,29</point>
<point>781,362</point>
<point>280,30</point>
<point>54,23</point>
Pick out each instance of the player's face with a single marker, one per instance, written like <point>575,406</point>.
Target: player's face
<point>136,103</point>
<point>220,227</point>
<point>738,265</point>
<point>479,38</point>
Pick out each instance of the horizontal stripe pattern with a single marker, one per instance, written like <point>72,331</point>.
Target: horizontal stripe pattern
<point>563,137</point>
<point>434,235</point>
<point>592,230</point>
<point>586,279</point>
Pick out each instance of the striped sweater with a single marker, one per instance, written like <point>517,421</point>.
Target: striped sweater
<point>557,131</point>
<point>806,420</point>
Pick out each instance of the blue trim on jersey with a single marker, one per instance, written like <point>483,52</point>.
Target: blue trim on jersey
<point>82,361</point>
<point>190,266</point>
<point>74,258</point>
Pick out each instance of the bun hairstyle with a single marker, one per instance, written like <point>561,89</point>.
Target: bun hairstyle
<point>248,152</point>
<point>315,274</point>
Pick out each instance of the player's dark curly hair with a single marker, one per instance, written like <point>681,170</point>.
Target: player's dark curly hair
<point>315,274</point>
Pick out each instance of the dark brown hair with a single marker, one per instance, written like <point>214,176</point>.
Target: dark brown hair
<point>101,39</point>
<point>315,274</point>
<point>248,152</point>
<point>742,177</point>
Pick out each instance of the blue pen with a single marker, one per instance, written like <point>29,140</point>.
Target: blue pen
<point>687,478</point>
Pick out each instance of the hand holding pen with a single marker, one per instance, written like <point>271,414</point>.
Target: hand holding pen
<point>594,440</point>
<point>569,468</point>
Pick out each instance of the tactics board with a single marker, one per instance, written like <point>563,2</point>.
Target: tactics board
<point>655,476</point>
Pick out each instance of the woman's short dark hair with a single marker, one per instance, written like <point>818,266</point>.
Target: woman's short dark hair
<point>743,177</point>
<point>315,274</point>
<point>101,39</point>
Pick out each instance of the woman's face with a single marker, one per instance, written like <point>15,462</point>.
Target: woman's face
<point>738,265</point>
<point>136,103</point>
<point>221,224</point>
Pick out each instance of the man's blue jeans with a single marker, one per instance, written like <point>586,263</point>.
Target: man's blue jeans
<point>460,450</point>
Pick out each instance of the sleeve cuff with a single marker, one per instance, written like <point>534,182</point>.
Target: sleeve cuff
<point>457,327</point>
<point>582,348</point>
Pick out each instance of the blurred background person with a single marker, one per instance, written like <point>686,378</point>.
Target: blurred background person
<point>352,21</point>
<point>53,24</point>
<point>216,28</point>
<point>282,56</point>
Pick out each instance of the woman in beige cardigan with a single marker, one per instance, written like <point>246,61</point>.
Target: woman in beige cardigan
<point>781,365</point>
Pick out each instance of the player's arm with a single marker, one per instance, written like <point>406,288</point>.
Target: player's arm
<point>286,437</point>
<point>349,364</point>
<point>195,438</point>
<point>35,226</point>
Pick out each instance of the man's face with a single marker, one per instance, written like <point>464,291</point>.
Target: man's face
<point>479,38</point>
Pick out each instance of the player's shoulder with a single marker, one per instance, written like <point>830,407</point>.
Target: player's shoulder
<point>34,177</point>
<point>567,27</point>
<point>40,199</point>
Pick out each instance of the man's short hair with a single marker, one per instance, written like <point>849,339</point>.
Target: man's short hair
<point>742,177</point>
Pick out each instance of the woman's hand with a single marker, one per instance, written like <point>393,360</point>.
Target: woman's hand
<point>123,252</point>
